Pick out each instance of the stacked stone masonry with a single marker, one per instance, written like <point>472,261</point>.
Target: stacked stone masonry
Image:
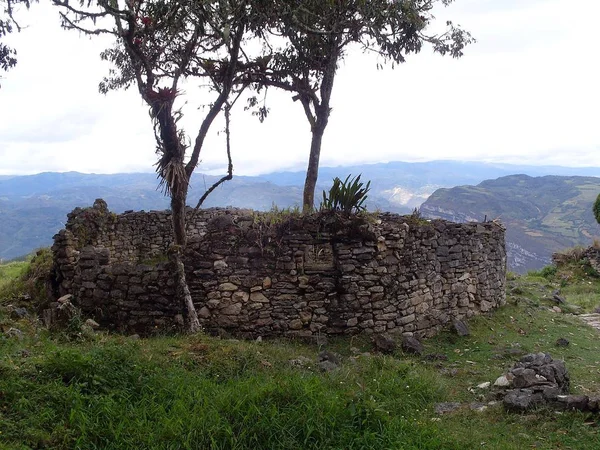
<point>264,274</point>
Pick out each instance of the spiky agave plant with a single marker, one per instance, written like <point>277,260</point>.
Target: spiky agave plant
<point>347,196</point>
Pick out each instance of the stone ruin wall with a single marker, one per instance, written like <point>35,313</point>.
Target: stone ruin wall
<point>264,274</point>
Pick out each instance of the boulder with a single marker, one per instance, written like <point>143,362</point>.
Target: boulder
<point>384,343</point>
<point>412,345</point>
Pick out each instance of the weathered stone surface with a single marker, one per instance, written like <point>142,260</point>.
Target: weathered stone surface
<point>228,287</point>
<point>14,333</point>
<point>232,310</point>
<point>461,328</point>
<point>521,400</point>
<point>309,276</point>
<point>92,323</point>
<point>502,382</point>
<point>384,343</point>
<point>412,345</point>
<point>19,313</point>
<point>446,407</point>
<point>258,297</point>
<point>540,380</point>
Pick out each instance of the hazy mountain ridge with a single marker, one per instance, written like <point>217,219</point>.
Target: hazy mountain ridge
<point>542,215</point>
<point>34,207</point>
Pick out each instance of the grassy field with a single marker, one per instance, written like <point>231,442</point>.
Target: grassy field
<point>95,391</point>
<point>11,271</point>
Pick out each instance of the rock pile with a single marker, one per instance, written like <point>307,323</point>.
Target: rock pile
<point>538,380</point>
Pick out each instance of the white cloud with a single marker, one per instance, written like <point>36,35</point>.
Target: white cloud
<point>527,92</point>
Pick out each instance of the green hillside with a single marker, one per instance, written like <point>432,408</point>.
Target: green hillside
<point>542,215</point>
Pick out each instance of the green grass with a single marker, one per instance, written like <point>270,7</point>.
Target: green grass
<point>11,271</point>
<point>64,391</point>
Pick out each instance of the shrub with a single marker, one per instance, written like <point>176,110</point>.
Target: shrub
<point>549,272</point>
<point>347,196</point>
<point>597,209</point>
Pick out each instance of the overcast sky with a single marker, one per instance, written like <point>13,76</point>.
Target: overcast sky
<point>527,92</point>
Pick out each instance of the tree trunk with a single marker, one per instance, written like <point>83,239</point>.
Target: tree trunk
<point>178,197</point>
<point>322,112</point>
<point>312,172</point>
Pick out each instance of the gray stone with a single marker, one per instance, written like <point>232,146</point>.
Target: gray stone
<point>461,328</point>
<point>14,333</point>
<point>522,400</point>
<point>446,407</point>
<point>384,343</point>
<point>92,323</point>
<point>232,310</point>
<point>478,406</point>
<point>65,299</point>
<point>327,366</point>
<point>258,297</point>
<point>577,402</point>
<point>302,362</point>
<point>502,381</point>
<point>228,287</point>
<point>19,313</point>
<point>325,355</point>
<point>412,345</point>
<point>593,404</point>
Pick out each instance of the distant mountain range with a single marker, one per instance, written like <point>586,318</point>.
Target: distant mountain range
<point>34,207</point>
<point>542,215</point>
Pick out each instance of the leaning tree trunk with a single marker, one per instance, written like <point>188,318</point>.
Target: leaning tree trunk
<point>312,172</point>
<point>178,198</point>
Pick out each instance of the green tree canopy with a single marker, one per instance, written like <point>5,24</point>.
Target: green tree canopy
<point>316,37</point>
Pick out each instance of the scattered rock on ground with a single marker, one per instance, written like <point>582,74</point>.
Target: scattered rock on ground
<point>19,313</point>
<point>446,407</point>
<point>449,372</point>
<point>327,366</point>
<point>478,406</point>
<point>503,381</point>
<point>412,345</point>
<point>558,299</point>
<point>461,328</point>
<point>325,355</point>
<point>435,357</point>
<point>328,361</point>
<point>521,400</point>
<point>539,381</point>
<point>384,343</point>
<point>15,333</point>
<point>92,323</point>
<point>301,361</point>
<point>562,342</point>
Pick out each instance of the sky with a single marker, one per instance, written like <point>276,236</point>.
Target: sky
<point>528,92</point>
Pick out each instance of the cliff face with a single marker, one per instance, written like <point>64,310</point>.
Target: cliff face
<point>542,215</point>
